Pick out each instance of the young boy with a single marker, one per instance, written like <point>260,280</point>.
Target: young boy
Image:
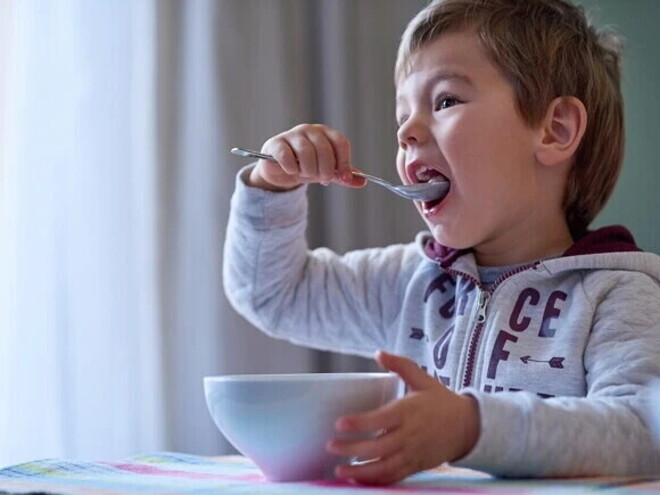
<point>525,340</point>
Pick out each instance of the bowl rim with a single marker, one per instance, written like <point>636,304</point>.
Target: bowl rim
<point>300,377</point>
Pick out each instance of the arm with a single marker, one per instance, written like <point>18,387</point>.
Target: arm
<point>315,298</point>
<point>604,433</point>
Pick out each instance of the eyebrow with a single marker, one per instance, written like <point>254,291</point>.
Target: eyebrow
<point>443,75</point>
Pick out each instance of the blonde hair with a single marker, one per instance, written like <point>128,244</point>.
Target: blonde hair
<point>546,49</point>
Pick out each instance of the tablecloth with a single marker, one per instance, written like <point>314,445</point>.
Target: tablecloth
<point>170,473</point>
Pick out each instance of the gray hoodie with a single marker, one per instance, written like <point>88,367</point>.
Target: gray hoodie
<point>558,353</point>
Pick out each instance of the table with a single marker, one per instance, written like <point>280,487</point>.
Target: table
<point>170,472</point>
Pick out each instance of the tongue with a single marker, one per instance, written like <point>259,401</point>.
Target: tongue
<point>431,175</point>
<point>438,178</point>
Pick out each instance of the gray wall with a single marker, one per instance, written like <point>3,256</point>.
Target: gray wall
<point>636,199</point>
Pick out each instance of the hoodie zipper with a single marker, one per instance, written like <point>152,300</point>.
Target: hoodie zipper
<point>475,335</point>
<point>484,298</point>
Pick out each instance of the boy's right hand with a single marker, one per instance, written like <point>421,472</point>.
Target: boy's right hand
<point>305,154</point>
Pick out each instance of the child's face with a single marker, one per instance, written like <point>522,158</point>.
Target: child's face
<point>457,115</point>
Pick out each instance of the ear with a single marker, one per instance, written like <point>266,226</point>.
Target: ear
<point>562,130</point>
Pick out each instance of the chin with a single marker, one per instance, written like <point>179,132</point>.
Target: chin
<point>447,238</point>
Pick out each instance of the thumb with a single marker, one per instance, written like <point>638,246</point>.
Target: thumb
<point>414,377</point>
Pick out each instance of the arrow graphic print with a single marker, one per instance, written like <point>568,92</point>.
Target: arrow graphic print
<point>556,362</point>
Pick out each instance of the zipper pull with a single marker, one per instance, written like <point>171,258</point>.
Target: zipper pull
<point>484,296</point>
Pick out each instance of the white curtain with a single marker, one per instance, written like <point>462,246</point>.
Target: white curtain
<point>81,361</point>
<point>115,124</point>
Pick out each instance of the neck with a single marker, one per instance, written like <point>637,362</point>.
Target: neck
<point>542,242</point>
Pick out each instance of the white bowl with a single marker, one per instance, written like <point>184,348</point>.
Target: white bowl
<point>283,422</point>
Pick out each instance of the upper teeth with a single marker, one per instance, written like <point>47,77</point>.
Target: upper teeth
<point>425,173</point>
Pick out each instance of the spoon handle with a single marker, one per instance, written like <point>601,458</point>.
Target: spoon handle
<point>371,178</point>
<point>262,156</point>
<point>252,154</point>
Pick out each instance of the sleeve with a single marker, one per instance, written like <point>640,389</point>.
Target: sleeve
<point>315,298</point>
<point>605,433</point>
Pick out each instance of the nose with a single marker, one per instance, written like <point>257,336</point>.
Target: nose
<point>413,132</point>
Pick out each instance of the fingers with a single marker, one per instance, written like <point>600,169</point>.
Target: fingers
<point>389,457</point>
<point>313,153</point>
<point>342,150</point>
<point>387,417</point>
<point>414,377</point>
<point>305,152</point>
<point>421,430</point>
<point>378,472</point>
<point>383,445</point>
<point>323,167</point>
<point>283,153</point>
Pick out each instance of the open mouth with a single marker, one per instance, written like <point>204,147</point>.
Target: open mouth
<point>421,174</point>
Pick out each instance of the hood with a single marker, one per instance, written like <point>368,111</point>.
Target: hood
<point>612,239</point>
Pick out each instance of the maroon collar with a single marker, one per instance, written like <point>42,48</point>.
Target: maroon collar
<point>612,239</point>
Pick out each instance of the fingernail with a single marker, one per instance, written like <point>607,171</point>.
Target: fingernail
<point>380,354</point>
<point>347,176</point>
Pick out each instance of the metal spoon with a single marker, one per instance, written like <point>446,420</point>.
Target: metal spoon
<point>426,191</point>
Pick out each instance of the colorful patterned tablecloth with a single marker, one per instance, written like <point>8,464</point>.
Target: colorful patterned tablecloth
<point>169,473</point>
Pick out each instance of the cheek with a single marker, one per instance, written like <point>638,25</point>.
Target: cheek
<point>483,148</point>
<point>459,134</point>
<point>463,146</point>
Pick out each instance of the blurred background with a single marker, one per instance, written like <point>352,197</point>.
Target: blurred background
<point>116,120</point>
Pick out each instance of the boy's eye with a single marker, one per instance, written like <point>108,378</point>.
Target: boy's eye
<point>444,102</point>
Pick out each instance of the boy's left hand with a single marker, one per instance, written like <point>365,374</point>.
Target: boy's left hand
<point>427,427</point>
